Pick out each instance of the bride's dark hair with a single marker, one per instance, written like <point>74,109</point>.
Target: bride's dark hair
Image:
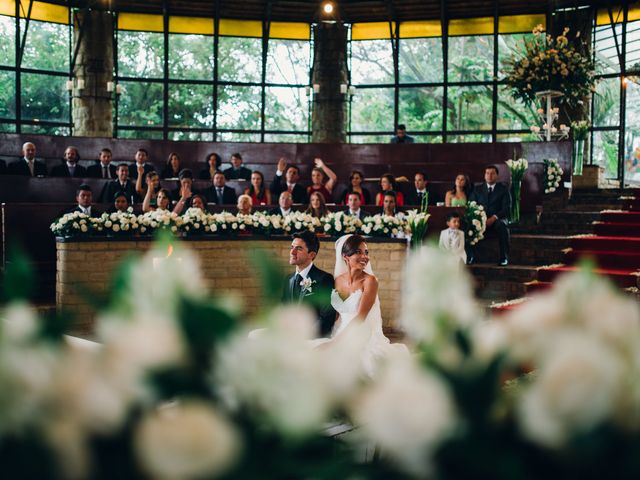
<point>351,244</point>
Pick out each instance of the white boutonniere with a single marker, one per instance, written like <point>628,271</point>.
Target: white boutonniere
<point>306,286</point>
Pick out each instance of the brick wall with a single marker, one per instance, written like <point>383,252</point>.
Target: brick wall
<point>225,267</point>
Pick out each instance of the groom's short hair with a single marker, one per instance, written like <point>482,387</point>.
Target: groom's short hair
<point>310,239</point>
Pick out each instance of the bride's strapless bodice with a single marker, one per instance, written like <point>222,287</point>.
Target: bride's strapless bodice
<point>348,306</point>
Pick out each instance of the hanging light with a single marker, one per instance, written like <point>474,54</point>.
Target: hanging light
<point>328,7</point>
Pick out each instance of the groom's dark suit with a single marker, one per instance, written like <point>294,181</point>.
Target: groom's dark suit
<point>319,297</point>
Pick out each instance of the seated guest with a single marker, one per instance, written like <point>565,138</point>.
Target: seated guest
<point>141,166</point>
<point>69,166</point>
<point>353,201</point>
<point>285,200</point>
<point>120,203</point>
<point>317,206</point>
<point>459,194</point>
<point>318,184</point>
<point>219,193</point>
<point>151,177</point>
<point>121,184</point>
<point>103,168</point>
<point>244,205</point>
<point>401,135</point>
<point>237,171</point>
<point>213,163</point>
<point>186,185</point>
<point>163,200</point>
<point>286,179</point>
<point>258,192</point>
<point>28,166</point>
<point>356,179</point>
<point>84,197</point>
<point>418,193</point>
<point>197,200</point>
<point>388,184</point>
<point>172,167</point>
<point>452,238</point>
<point>496,200</point>
<point>389,204</point>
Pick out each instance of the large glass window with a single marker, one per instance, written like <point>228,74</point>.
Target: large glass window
<point>42,104</point>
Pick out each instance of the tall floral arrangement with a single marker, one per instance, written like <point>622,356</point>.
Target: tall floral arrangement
<point>518,169</point>
<point>548,63</point>
<point>474,223</point>
<point>417,224</point>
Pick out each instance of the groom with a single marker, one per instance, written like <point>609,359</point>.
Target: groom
<point>309,284</point>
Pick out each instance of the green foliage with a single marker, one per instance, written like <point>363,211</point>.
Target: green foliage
<point>18,280</point>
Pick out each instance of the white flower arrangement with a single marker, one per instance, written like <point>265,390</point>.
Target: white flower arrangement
<point>416,226</point>
<point>119,222</point>
<point>339,223</point>
<point>226,223</point>
<point>552,175</point>
<point>73,224</point>
<point>384,226</point>
<point>160,219</point>
<point>474,223</point>
<point>300,221</point>
<point>195,220</point>
<point>517,168</point>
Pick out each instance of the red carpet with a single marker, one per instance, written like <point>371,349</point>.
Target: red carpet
<point>615,249</point>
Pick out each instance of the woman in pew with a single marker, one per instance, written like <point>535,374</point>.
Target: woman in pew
<point>172,167</point>
<point>197,200</point>
<point>151,178</point>
<point>244,205</point>
<point>388,184</point>
<point>356,179</point>
<point>163,200</point>
<point>213,163</point>
<point>260,195</point>
<point>317,206</point>
<point>120,203</point>
<point>459,194</point>
<point>318,175</point>
<point>389,204</point>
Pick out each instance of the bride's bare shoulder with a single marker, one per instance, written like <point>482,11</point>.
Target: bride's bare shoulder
<point>340,279</point>
<point>370,281</point>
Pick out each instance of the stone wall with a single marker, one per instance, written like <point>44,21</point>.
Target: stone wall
<point>225,266</point>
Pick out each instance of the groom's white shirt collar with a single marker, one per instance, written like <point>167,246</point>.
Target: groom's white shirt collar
<point>304,273</point>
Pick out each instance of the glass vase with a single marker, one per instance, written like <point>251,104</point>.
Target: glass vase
<point>516,193</point>
<point>577,156</point>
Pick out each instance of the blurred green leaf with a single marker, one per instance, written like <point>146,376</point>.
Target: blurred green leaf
<point>18,281</point>
<point>270,274</point>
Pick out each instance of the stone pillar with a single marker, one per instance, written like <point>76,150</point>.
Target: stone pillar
<point>91,107</point>
<point>329,115</point>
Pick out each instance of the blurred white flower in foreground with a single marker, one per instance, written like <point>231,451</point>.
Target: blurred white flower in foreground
<point>437,296</point>
<point>407,412</point>
<point>186,440</point>
<point>275,374</point>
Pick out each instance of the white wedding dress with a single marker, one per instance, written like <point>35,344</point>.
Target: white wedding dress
<point>375,345</point>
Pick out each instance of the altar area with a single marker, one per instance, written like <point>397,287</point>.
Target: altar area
<point>88,264</point>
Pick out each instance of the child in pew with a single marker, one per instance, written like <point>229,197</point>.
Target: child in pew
<point>452,238</point>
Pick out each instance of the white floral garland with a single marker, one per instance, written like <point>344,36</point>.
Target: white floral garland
<point>552,175</point>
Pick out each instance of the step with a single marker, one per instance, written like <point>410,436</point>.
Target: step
<point>622,278</point>
<point>605,258</point>
<point>498,283</point>
<point>610,243</point>
<point>498,309</point>
<point>620,217</point>
<point>617,229</point>
<point>526,249</point>
<point>536,286</point>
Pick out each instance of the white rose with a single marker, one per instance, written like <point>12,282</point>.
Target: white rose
<point>116,227</point>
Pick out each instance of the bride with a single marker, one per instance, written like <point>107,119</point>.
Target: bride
<point>355,298</point>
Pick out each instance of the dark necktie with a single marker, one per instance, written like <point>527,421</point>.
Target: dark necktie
<point>295,294</point>
<point>220,196</point>
<point>105,171</point>
<point>490,191</point>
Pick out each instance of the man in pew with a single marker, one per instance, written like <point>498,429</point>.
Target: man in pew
<point>103,168</point>
<point>354,203</point>
<point>285,200</point>
<point>286,179</point>
<point>28,166</point>
<point>496,200</point>
<point>84,197</point>
<point>219,193</point>
<point>141,164</point>
<point>415,196</point>
<point>69,167</point>
<point>121,184</point>
<point>237,171</point>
